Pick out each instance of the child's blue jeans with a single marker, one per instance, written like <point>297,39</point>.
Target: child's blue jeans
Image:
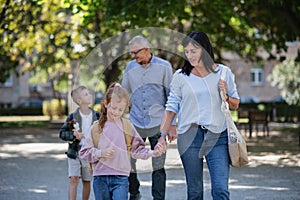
<point>111,187</point>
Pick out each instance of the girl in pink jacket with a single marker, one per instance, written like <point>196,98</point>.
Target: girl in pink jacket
<point>110,156</point>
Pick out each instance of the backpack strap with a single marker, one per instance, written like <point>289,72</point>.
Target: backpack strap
<point>127,126</point>
<point>96,132</point>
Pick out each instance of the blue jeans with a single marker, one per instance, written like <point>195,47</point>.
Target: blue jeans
<point>217,158</point>
<point>111,187</point>
<point>158,173</point>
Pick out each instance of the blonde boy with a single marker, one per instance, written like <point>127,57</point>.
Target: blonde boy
<point>84,116</point>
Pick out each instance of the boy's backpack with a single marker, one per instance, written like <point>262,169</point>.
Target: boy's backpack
<point>66,132</point>
<point>96,132</point>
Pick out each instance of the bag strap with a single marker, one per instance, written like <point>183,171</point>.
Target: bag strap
<point>223,76</point>
<point>127,126</point>
<point>97,131</point>
<point>224,105</point>
<point>223,72</point>
<point>233,133</point>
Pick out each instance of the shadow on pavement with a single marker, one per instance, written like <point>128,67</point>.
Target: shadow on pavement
<point>34,166</point>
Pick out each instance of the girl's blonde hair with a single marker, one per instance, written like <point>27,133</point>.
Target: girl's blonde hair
<point>114,90</point>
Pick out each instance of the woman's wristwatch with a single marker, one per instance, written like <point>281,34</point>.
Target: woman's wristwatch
<point>163,135</point>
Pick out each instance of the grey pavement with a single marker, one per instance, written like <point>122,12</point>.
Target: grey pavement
<point>34,167</point>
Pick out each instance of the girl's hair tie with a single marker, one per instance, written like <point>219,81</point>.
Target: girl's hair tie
<point>117,85</point>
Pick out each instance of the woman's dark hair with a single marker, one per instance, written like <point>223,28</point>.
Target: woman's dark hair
<point>201,40</point>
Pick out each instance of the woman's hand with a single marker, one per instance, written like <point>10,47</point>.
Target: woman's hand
<point>232,102</point>
<point>223,86</point>
<point>172,133</point>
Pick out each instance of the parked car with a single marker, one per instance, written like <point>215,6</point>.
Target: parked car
<point>31,104</point>
<point>29,107</point>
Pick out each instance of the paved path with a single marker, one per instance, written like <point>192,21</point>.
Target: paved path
<point>34,167</point>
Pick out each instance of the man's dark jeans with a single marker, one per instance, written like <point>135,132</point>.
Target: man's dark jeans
<point>158,174</point>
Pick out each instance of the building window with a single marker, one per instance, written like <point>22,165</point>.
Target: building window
<point>257,76</point>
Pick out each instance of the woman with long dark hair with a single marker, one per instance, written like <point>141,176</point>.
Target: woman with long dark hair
<point>195,99</point>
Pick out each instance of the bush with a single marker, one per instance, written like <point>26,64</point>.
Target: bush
<point>20,111</point>
<point>54,107</point>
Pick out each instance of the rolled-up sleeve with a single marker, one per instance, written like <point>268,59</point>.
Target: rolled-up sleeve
<point>231,85</point>
<point>175,95</point>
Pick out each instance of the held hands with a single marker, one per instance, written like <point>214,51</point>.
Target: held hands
<point>161,145</point>
<point>159,148</point>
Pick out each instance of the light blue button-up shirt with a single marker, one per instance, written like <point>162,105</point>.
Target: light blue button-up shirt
<point>149,87</point>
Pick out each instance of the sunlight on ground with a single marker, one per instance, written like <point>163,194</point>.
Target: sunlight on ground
<point>279,160</point>
<point>169,182</point>
<point>172,160</point>
<point>258,187</point>
<point>37,190</point>
<point>33,150</point>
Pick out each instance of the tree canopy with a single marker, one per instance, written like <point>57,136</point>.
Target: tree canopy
<point>45,36</point>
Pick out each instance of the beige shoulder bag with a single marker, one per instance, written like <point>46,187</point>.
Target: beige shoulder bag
<point>236,143</point>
